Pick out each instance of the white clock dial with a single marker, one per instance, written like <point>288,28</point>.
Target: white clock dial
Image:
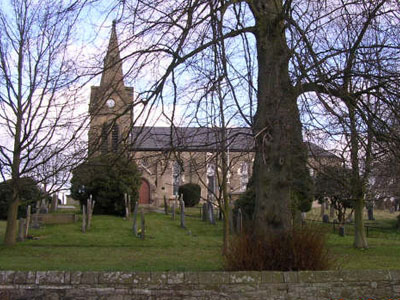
<point>110,103</point>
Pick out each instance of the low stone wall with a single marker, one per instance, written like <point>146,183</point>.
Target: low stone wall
<point>55,218</point>
<point>332,285</point>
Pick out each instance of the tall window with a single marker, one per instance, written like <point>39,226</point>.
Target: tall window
<point>176,176</point>
<point>244,175</point>
<point>115,138</point>
<point>211,181</point>
<point>103,139</point>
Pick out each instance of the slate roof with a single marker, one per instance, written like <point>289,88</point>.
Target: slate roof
<point>190,139</point>
<point>239,139</point>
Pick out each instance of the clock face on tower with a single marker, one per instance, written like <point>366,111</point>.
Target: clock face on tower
<point>110,103</point>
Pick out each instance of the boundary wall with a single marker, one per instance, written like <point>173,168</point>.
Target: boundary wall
<point>322,285</point>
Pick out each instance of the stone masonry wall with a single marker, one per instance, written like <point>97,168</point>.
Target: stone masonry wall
<point>324,285</point>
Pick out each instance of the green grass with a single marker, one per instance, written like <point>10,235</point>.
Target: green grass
<point>111,246</point>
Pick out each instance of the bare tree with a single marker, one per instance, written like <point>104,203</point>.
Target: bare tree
<point>36,103</point>
<point>272,52</point>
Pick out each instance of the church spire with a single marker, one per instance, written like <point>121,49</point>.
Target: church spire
<point>112,74</point>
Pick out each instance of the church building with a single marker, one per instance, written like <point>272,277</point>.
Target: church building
<point>167,156</point>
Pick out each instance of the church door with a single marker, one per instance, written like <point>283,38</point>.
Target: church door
<point>144,192</point>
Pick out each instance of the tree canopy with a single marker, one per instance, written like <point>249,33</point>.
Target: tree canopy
<point>30,194</point>
<point>107,178</point>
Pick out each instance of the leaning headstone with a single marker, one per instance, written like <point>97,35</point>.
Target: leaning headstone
<point>331,211</point>
<point>371,214</point>
<point>205,212</point>
<point>173,211</point>
<point>83,218</point>
<point>322,209</point>
<point>90,207</point>
<point>182,214</point>
<point>35,223</point>
<point>126,205</point>
<point>43,207</point>
<point>303,217</point>
<point>142,225</point>
<point>129,205</point>
<point>230,217</point>
<point>53,206</point>
<point>28,220</point>
<point>211,213</point>
<point>21,230</point>
<point>135,212</point>
<point>165,205</point>
<point>239,221</point>
<point>325,218</point>
<point>342,231</point>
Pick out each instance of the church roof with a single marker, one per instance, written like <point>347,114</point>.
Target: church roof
<point>190,139</point>
<point>238,139</point>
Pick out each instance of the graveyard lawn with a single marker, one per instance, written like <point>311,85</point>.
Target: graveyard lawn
<point>111,246</point>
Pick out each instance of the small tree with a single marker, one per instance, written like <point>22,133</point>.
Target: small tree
<point>334,183</point>
<point>106,177</point>
<point>30,194</point>
<point>301,197</point>
<point>190,193</point>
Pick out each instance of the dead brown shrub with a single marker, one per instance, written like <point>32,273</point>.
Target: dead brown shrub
<point>298,249</point>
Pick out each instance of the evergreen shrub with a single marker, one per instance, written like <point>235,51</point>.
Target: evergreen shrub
<point>30,194</point>
<point>191,194</point>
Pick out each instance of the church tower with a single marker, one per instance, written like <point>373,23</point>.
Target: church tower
<point>111,104</point>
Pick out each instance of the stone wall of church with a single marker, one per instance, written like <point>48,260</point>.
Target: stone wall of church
<point>163,170</point>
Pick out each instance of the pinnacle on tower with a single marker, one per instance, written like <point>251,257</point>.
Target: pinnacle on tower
<point>112,74</point>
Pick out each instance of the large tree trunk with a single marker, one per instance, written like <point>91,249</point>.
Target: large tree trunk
<point>12,222</point>
<point>225,204</point>
<point>360,238</point>
<point>280,152</point>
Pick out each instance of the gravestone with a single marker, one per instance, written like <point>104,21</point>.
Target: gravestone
<point>21,230</point>
<point>182,213</point>
<point>325,218</point>
<point>35,222</point>
<point>43,207</point>
<point>239,221</point>
<point>205,212</point>
<point>28,220</point>
<point>54,203</point>
<point>173,210</point>
<point>126,205</point>
<point>83,218</point>
<point>211,213</point>
<point>165,205</point>
<point>89,208</point>
<point>342,231</point>
<point>143,225</point>
<point>230,212</point>
<point>135,212</point>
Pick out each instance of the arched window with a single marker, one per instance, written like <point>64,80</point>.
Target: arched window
<point>115,138</point>
<point>104,139</point>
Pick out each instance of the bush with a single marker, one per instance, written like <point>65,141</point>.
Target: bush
<point>301,199</point>
<point>106,177</point>
<point>30,193</point>
<point>398,222</point>
<point>246,202</point>
<point>298,249</point>
<point>191,194</point>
